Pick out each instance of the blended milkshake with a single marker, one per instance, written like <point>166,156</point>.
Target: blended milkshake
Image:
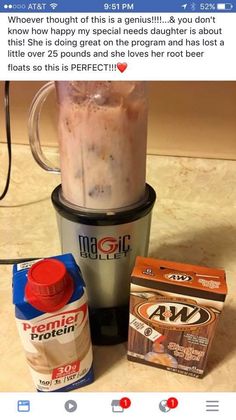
<point>103,132</point>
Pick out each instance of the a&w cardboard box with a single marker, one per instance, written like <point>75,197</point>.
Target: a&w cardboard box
<point>174,310</point>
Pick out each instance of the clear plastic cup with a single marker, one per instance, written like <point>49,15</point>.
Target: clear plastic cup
<point>102,130</point>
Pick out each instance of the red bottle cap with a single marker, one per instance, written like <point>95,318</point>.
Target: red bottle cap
<point>49,286</point>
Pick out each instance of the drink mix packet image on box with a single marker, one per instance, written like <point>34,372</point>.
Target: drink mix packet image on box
<point>174,310</point>
<point>52,318</point>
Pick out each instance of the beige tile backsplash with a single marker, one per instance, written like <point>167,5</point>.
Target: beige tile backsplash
<point>185,118</point>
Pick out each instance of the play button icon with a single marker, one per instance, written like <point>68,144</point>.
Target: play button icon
<point>70,406</point>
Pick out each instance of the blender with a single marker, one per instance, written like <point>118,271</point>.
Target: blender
<point>103,205</point>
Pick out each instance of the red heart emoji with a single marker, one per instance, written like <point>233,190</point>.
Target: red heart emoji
<point>122,67</point>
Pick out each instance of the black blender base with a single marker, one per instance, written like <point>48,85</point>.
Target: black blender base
<point>109,325</point>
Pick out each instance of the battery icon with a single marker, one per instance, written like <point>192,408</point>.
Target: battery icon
<point>224,6</point>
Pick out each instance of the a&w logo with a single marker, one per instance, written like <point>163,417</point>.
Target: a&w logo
<point>174,315</point>
<point>178,277</point>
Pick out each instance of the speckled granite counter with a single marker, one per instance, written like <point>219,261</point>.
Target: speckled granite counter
<point>194,220</point>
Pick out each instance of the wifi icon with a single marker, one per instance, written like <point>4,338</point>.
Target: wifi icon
<point>53,5</point>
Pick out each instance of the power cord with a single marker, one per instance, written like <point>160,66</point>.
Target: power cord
<point>18,260</point>
<point>8,136</point>
<point>6,188</point>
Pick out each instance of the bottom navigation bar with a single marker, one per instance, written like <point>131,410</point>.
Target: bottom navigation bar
<point>106,405</point>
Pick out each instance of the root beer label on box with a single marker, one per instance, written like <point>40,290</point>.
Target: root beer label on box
<point>174,309</point>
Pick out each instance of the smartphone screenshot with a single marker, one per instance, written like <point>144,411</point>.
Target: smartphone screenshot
<point>117,209</point>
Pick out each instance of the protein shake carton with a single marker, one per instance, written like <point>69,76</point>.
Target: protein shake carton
<point>174,310</point>
<point>52,318</point>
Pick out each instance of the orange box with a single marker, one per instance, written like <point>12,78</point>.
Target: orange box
<point>174,310</point>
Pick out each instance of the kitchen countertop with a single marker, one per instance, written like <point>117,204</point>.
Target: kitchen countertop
<point>194,220</point>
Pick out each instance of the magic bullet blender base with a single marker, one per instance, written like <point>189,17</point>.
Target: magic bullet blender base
<point>105,245</point>
<point>109,325</point>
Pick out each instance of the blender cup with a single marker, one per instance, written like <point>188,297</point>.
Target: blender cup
<point>103,204</point>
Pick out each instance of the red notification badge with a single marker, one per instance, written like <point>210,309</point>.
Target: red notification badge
<point>125,402</point>
<point>172,402</point>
